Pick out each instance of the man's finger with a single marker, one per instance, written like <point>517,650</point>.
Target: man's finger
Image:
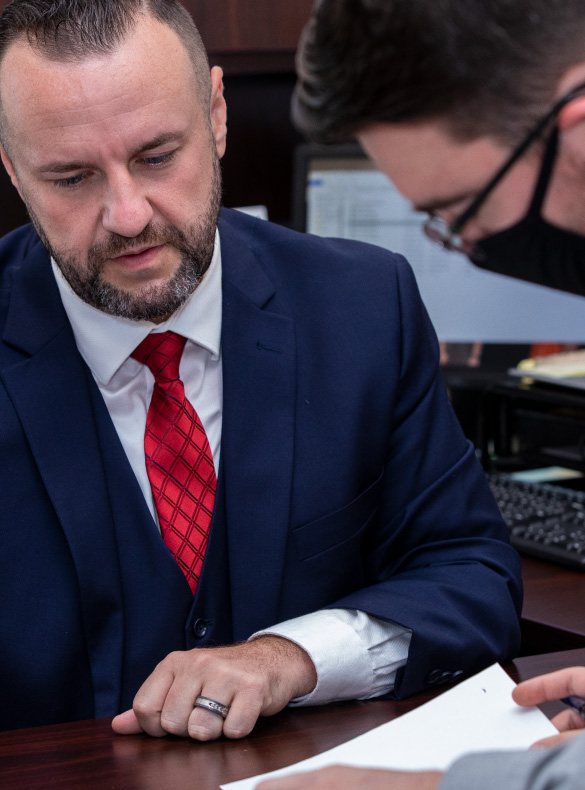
<point>244,712</point>
<point>206,725</point>
<point>178,707</point>
<point>126,723</point>
<point>292,782</point>
<point>337,777</point>
<point>555,740</point>
<point>151,696</point>
<point>553,686</point>
<point>568,720</point>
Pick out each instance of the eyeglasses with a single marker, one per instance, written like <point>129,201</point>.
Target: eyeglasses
<point>447,235</point>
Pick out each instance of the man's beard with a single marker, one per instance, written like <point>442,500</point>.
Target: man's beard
<point>151,302</point>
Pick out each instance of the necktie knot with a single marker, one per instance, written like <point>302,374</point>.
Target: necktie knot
<point>161,352</point>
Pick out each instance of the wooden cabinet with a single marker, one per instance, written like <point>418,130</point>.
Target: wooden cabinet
<point>250,25</point>
<point>249,36</point>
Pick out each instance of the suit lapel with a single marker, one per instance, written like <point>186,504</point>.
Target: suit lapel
<point>258,351</point>
<point>49,387</point>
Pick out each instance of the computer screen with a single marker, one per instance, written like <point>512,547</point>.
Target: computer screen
<point>339,192</point>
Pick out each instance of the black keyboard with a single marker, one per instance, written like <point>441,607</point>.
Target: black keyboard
<point>545,521</point>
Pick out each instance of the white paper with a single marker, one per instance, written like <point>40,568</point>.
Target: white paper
<point>477,715</point>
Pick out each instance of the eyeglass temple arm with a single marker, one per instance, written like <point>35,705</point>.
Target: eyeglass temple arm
<point>458,223</point>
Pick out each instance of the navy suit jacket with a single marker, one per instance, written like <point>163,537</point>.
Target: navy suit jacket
<point>345,480</point>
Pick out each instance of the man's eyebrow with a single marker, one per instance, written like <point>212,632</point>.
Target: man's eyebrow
<point>155,142</point>
<point>62,167</point>
<point>160,139</point>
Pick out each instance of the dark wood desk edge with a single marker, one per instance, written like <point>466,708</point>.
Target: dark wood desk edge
<point>529,666</point>
<point>552,615</point>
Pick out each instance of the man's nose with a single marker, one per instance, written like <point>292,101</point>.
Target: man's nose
<point>127,209</point>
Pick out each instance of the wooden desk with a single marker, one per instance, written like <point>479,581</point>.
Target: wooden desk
<point>553,616</point>
<point>88,756</point>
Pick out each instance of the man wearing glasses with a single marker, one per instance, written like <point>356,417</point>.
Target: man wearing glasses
<point>475,112</point>
<point>475,109</point>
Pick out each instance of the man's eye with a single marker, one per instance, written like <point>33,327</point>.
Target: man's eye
<point>159,159</point>
<point>70,181</point>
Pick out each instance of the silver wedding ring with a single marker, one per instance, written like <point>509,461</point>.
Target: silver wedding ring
<point>213,705</point>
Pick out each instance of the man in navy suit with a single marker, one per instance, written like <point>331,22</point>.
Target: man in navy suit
<point>353,534</point>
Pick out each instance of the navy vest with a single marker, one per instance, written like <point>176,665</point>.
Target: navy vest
<point>158,611</point>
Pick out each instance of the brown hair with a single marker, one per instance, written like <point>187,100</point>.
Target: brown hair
<point>484,66</point>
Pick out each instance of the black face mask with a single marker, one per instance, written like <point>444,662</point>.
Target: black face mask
<point>533,249</point>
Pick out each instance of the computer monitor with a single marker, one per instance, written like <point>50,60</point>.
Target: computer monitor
<point>339,192</point>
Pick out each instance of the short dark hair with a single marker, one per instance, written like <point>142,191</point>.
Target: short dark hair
<point>486,67</point>
<point>72,30</point>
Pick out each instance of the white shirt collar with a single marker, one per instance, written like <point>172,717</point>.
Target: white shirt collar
<point>105,341</point>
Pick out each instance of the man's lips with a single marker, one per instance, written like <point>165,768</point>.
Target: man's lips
<point>138,258</point>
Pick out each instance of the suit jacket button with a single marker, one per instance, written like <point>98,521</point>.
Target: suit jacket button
<point>434,676</point>
<point>200,627</point>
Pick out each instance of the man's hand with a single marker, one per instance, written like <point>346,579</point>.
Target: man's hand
<point>253,679</point>
<point>555,686</point>
<point>340,777</point>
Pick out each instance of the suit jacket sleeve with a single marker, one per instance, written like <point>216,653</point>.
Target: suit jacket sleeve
<point>437,556</point>
<point>562,768</point>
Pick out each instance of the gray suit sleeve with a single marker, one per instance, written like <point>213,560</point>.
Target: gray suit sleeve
<point>562,768</point>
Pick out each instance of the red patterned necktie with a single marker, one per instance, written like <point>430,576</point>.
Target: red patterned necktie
<point>178,458</point>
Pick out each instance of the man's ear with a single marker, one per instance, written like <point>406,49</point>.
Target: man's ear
<point>7,162</point>
<point>572,114</point>
<point>571,124</point>
<point>218,111</point>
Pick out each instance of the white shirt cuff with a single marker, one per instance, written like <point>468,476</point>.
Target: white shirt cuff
<point>356,656</point>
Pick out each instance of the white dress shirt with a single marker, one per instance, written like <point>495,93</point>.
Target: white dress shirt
<point>356,656</point>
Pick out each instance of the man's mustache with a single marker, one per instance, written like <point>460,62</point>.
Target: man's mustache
<point>151,236</point>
